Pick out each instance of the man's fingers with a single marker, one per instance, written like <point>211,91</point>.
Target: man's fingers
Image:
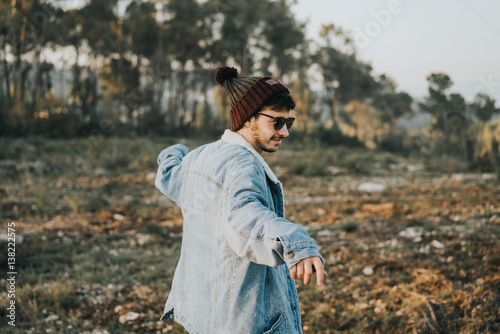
<point>300,269</point>
<point>307,271</point>
<point>320,270</point>
<point>293,271</point>
<point>306,267</point>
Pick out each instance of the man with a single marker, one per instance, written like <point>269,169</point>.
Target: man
<point>239,255</point>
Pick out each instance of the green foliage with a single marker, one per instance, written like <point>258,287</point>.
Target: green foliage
<point>452,116</point>
<point>349,226</point>
<point>394,142</point>
<point>483,107</point>
<point>141,29</point>
<point>112,187</point>
<point>95,203</point>
<point>334,136</point>
<point>63,125</point>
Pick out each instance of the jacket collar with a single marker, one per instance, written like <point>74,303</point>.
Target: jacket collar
<point>230,137</point>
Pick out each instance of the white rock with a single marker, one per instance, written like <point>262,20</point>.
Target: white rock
<point>325,233</point>
<point>143,239</point>
<point>425,250</point>
<point>437,244</point>
<point>52,317</point>
<point>100,331</point>
<point>368,271</point>
<point>411,232</point>
<point>150,176</point>
<point>488,176</point>
<point>415,167</point>
<point>118,308</point>
<point>332,259</point>
<point>371,187</point>
<point>130,316</point>
<point>393,242</point>
<point>118,216</point>
<point>334,170</point>
<point>113,252</point>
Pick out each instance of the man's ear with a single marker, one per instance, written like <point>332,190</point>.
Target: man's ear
<point>248,124</point>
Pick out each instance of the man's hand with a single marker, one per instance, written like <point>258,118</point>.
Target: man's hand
<point>304,270</point>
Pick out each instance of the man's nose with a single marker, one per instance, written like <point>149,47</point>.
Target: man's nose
<point>283,132</point>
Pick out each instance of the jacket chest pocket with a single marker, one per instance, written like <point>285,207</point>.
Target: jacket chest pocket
<point>276,195</point>
<point>274,325</point>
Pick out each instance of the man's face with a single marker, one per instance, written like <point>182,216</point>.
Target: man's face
<point>264,138</point>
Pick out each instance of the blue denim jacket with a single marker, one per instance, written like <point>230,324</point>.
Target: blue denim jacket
<point>233,273</point>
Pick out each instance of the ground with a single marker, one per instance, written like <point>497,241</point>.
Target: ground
<point>410,247</point>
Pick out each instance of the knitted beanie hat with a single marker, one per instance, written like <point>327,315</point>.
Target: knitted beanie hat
<point>246,94</point>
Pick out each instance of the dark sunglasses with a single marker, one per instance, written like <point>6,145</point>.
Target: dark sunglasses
<point>280,121</point>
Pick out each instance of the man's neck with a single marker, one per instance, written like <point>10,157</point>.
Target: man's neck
<point>248,137</point>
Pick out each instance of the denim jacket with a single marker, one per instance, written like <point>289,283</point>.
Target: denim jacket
<point>233,272</point>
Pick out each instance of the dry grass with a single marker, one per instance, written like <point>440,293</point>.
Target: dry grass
<point>100,241</point>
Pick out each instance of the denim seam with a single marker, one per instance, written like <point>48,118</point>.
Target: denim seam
<point>206,177</point>
<point>219,238</point>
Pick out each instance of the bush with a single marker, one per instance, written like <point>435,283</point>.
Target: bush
<point>393,142</point>
<point>349,226</point>
<point>62,125</point>
<point>96,203</point>
<point>334,136</point>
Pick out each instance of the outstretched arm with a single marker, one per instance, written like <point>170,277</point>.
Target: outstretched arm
<point>167,177</point>
<point>257,233</point>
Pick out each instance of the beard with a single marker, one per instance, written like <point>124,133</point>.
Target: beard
<point>265,144</point>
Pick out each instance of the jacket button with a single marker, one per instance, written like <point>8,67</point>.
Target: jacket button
<point>288,277</point>
<point>295,307</point>
<point>291,254</point>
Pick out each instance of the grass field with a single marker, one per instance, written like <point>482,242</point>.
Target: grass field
<point>409,248</point>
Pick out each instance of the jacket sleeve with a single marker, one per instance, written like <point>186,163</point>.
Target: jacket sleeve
<point>168,179</point>
<point>258,234</point>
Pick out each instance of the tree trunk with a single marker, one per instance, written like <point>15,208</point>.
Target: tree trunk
<point>76,77</point>
<point>6,75</point>
<point>180,101</point>
<point>36,91</point>
<point>244,56</point>
<point>16,66</point>
<point>24,74</point>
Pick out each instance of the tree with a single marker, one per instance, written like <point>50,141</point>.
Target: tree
<point>285,38</point>
<point>100,30</point>
<point>452,116</point>
<point>182,44</point>
<point>240,31</point>
<point>437,104</point>
<point>27,28</point>
<point>130,77</point>
<point>483,107</point>
<point>141,34</point>
<point>345,78</point>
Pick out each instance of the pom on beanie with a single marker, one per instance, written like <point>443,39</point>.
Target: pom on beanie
<point>225,73</point>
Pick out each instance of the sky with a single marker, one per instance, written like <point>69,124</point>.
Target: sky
<point>410,39</point>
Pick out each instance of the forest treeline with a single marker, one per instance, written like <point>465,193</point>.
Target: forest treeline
<point>148,67</point>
